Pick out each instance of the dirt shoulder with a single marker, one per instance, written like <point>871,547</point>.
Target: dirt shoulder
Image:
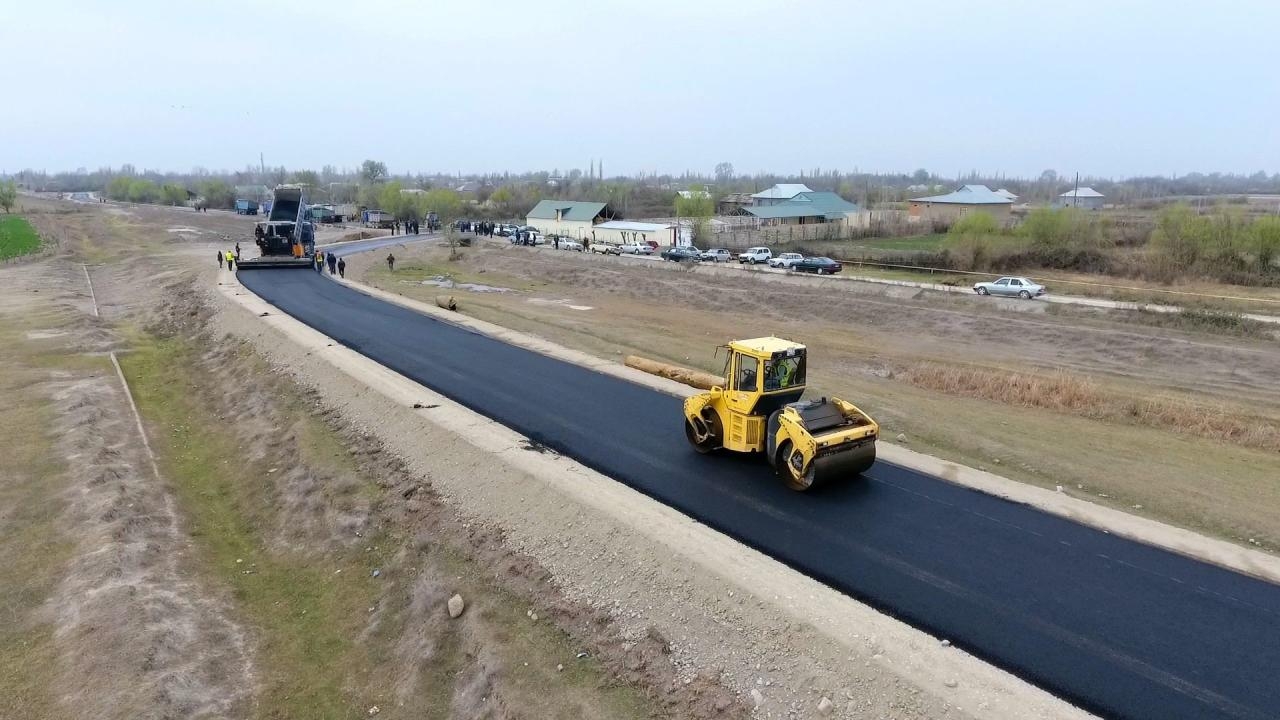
<point>1124,427</point>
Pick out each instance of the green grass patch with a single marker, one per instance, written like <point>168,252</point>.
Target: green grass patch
<point>17,237</point>
<point>305,612</point>
<point>916,243</point>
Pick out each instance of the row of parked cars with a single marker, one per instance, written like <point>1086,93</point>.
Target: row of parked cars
<point>755,256</point>
<point>1019,287</point>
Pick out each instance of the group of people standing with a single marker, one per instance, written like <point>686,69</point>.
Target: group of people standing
<point>230,258</point>
<point>405,227</point>
<point>337,266</point>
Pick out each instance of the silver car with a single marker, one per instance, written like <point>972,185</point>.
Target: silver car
<point>1010,287</point>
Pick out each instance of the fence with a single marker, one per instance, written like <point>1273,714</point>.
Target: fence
<point>876,223</point>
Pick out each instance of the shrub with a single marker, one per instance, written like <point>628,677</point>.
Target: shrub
<point>974,224</point>
<point>1065,228</point>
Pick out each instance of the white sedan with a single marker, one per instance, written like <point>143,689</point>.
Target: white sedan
<point>785,260</point>
<point>1010,287</point>
<point>636,247</point>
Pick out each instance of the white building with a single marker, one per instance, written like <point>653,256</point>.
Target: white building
<point>617,232</point>
<point>1085,198</point>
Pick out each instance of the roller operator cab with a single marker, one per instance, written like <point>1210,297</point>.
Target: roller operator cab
<point>760,409</point>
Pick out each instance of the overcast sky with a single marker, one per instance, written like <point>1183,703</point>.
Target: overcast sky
<point>1109,88</point>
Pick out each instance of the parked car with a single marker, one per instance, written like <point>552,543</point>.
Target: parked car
<point>817,265</point>
<point>785,260</point>
<point>755,255</point>
<point>683,253</point>
<point>605,248</point>
<point>717,255</point>
<point>1010,287</point>
<point>635,247</point>
<point>567,244</point>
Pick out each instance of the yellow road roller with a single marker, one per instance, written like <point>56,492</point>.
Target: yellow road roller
<point>759,410</point>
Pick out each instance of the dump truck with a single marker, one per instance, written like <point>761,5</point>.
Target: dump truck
<point>379,219</point>
<point>758,409</point>
<point>246,207</point>
<point>287,237</point>
<point>325,214</point>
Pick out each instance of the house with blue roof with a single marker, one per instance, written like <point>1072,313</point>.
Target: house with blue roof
<point>952,206</point>
<point>806,208</point>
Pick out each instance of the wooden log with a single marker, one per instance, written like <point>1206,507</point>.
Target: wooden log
<point>688,376</point>
<point>447,302</point>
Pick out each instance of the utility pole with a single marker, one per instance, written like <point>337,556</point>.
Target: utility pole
<point>1075,201</point>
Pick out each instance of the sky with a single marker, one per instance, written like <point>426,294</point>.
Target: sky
<point>1104,88</point>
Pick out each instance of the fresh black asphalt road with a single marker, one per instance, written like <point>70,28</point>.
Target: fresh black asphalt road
<point>1123,629</point>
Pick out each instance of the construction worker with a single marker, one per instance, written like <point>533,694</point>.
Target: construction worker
<point>342,268</point>
<point>231,261</point>
<point>333,263</point>
<point>221,258</point>
<point>237,252</point>
<point>319,258</point>
<point>391,262</point>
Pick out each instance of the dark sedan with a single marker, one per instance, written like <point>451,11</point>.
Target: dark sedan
<point>817,265</point>
<point>682,254</point>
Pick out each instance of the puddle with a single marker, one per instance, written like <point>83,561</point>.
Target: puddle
<point>562,303</point>
<point>45,334</point>
<point>441,281</point>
